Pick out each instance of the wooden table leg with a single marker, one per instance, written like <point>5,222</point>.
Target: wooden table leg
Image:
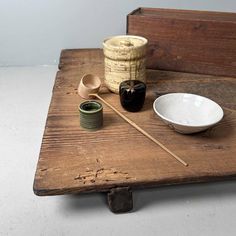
<point>120,199</point>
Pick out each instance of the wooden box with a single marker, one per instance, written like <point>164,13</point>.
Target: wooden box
<point>189,41</point>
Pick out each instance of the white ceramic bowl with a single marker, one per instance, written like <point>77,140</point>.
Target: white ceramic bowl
<point>187,113</point>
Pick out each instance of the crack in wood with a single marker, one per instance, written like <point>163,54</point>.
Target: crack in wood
<point>215,146</point>
<point>102,175</point>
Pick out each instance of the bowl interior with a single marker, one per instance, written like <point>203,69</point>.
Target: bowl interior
<point>188,109</point>
<point>90,106</point>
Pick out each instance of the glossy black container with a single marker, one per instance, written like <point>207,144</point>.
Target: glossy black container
<point>132,95</point>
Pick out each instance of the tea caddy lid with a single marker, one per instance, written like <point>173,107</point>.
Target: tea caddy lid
<point>125,41</point>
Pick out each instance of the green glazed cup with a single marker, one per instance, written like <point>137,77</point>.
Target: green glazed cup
<point>91,115</point>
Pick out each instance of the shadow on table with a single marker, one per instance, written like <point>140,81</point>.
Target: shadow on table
<point>149,198</point>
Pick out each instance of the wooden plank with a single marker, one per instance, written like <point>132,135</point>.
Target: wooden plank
<point>73,160</point>
<point>71,58</point>
<point>189,41</point>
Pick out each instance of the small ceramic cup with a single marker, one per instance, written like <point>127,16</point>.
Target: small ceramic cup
<point>91,115</point>
<point>132,94</point>
<point>88,84</point>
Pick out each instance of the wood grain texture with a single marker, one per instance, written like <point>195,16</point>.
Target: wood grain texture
<point>189,41</point>
<point>73,160</point>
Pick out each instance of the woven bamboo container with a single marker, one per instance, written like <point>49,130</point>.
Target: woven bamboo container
<point>125,59</point>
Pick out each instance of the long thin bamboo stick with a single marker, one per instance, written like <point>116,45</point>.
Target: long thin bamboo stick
<point>140,129</point>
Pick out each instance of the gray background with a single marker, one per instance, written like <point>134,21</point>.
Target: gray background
<point>33,32</point>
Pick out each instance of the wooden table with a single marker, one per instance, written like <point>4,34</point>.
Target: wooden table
<point>117,158</point>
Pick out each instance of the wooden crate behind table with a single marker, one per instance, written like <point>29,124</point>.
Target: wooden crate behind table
<point>189,41</point>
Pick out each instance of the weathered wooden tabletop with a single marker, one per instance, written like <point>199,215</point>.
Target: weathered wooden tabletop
<point>73,160</point>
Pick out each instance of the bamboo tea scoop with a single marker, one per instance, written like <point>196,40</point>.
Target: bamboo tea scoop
<point>89,86</point>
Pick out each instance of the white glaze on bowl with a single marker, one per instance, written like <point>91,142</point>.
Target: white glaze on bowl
<point>187,113</point>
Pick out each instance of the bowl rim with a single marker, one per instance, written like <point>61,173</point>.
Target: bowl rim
<point>188,125</point>
<point>100,107</point>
